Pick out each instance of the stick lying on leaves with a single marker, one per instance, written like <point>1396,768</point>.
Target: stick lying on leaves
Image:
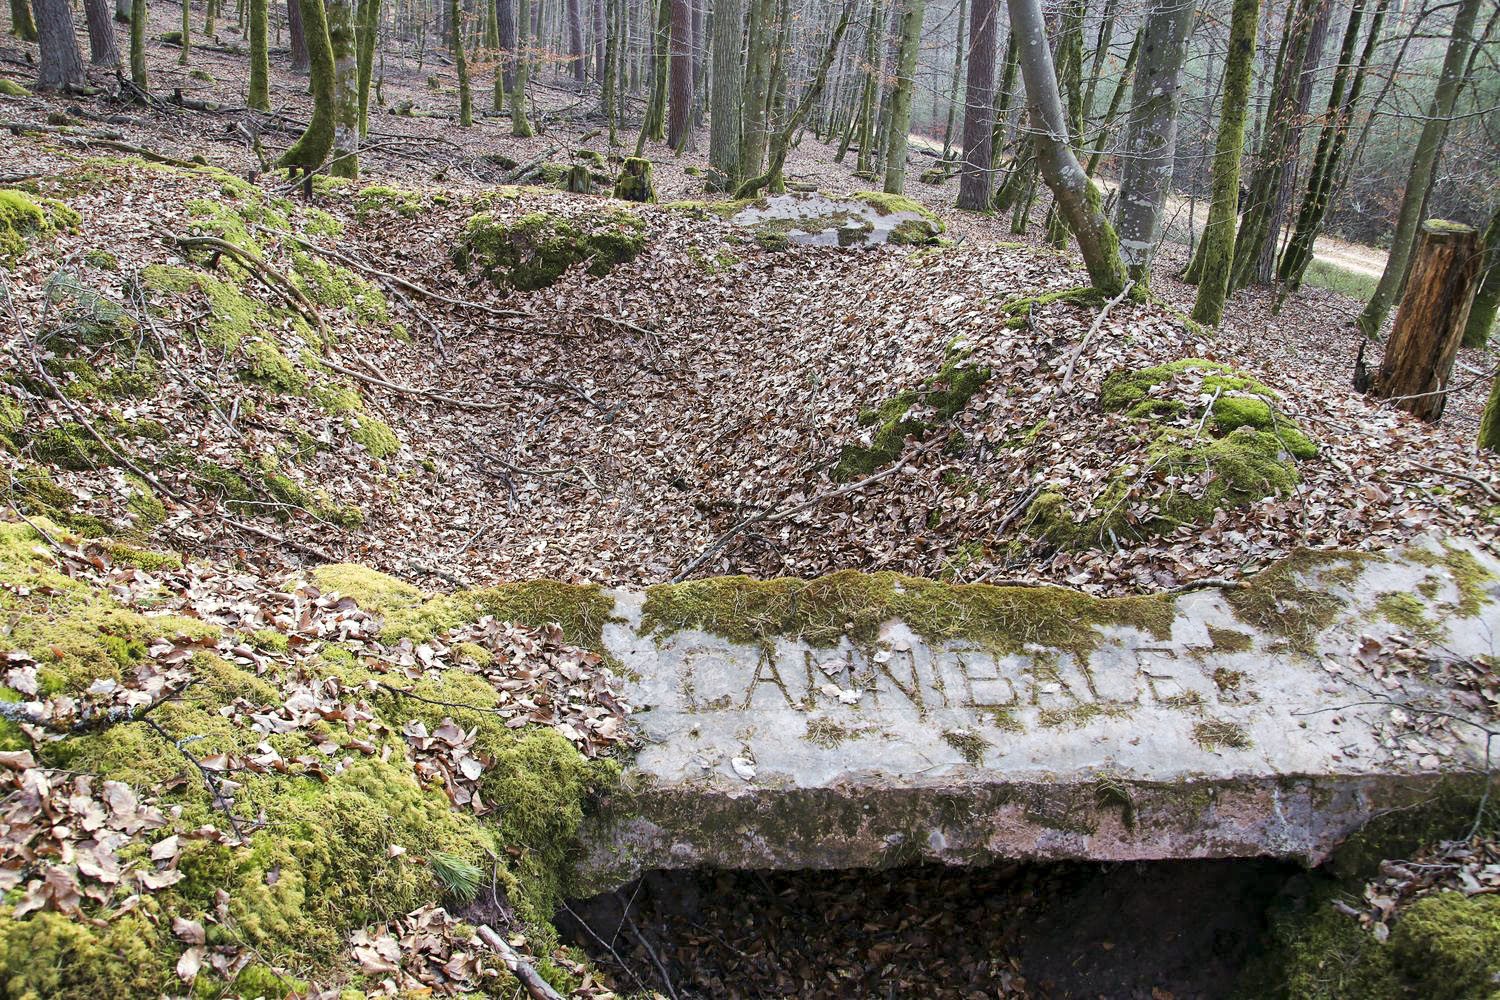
<point>535,985</point>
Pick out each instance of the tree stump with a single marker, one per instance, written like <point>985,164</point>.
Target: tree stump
<point>579,181</point>
<point>636,182</point>
<point>1430,323</point>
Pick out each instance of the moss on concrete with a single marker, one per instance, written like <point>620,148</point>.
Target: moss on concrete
<point>535,250</point>
<point>823,611</point>
<point>1295,598</point>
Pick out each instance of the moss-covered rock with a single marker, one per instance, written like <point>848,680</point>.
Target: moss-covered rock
<point>10,88</point>
<point>534,250</point>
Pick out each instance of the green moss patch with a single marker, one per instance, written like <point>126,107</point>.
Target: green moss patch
<point>21,219</point>
<point>1295,598</point>
<point>823,611</point>
<point>535,250</point>
<point>912,413</point>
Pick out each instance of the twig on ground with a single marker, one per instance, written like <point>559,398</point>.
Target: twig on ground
<point>530,979</point>
<point>1067,382</point>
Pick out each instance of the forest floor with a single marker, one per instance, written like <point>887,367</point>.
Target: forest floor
<point>609,454</point>
<point>686,413</point>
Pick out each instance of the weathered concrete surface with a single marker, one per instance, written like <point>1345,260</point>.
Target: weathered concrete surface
<point>823,220</point>
<point>1248,731</point>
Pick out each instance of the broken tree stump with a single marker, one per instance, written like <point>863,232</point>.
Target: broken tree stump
<point>1430,323</point>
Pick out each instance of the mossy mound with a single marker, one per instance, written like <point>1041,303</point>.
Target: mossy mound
<point>340,833</point>
<point>1215,439</point>
<point>637,180</point>
<point>21,219</point>
<point>912,413</point>
<point>535,250</point>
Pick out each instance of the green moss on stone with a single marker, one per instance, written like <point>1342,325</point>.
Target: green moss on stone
<point>822,611</point>
<point>10,88</point>
<point>1407,612</point>
<point>1293,599</point>
<point>534,250</point>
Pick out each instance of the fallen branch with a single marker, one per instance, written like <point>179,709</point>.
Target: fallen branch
<point>1489,490</point>
<point>282,285</point>
<point>1067,382</point>
<point>536,987</point>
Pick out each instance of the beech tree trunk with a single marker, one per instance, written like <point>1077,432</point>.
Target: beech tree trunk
<point>870,94</point>
<point>61,66</point>
<point>297,36</point>
<point>520,126</point>
<point>599,38</point>
<point>138,43</point>
<point>1151,142</point>
<point>1424,161</point>
<point>758,32</point>
<point>1487,294</point>
<point>312,148</point>
<point>369,29</point>
<point>1331,140</point>
<point>958,68</point>
<point>974,176</point>
<point>102,49</point>
<point>1430,323</point>
<point>259,95</point>
<point>681,73</point>
<point>724,100</point>
<point>1076,195</point>
<point>461,65</point>
<point>1216,252</point>
<point>906,73</point>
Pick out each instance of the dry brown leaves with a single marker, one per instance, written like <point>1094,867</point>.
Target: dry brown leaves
<point>1470,866</point>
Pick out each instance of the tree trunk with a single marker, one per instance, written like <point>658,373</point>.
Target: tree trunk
<point>1077,196</point>
<point>784,138</point>
<point>725,107</point>
<point>520,126</point>
<point>138,44</point>
<point>1127,76</point>
<point>681,73</point>
<point>870,93</point>
<point>1487,295</point>
<point>974,178</point>
<point>655,125</point>
<point>21,23</point>
<point>187,32</point>
<point>505,23</point>
<point>369,31</point>
<point>1217,248</point>
<point>297,35</point>
<point>102,50</point>
<point>61,66</point>
<point>757,83</point>
<point>1430,323</point>
<point>599,38</point>
<point>1151,142</point>
<point>345,88</point>
<point>958,69</point>
<point>461,65</point>
<point>608,77</point>
<point>575,41</point>
<point>122,11</point>
<point>259,96</point>
<point>906,74</point>
<point>1331,140</point>
<point>1424,160</point>
<point>312,148</point>
<point>1277,154</point>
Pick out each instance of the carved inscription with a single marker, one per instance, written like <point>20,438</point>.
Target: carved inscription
<point>917,679</point>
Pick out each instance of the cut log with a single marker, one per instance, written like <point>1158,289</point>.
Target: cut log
<point>1430,323</point>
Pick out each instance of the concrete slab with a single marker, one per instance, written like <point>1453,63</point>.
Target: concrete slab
<point>1268,720</point>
